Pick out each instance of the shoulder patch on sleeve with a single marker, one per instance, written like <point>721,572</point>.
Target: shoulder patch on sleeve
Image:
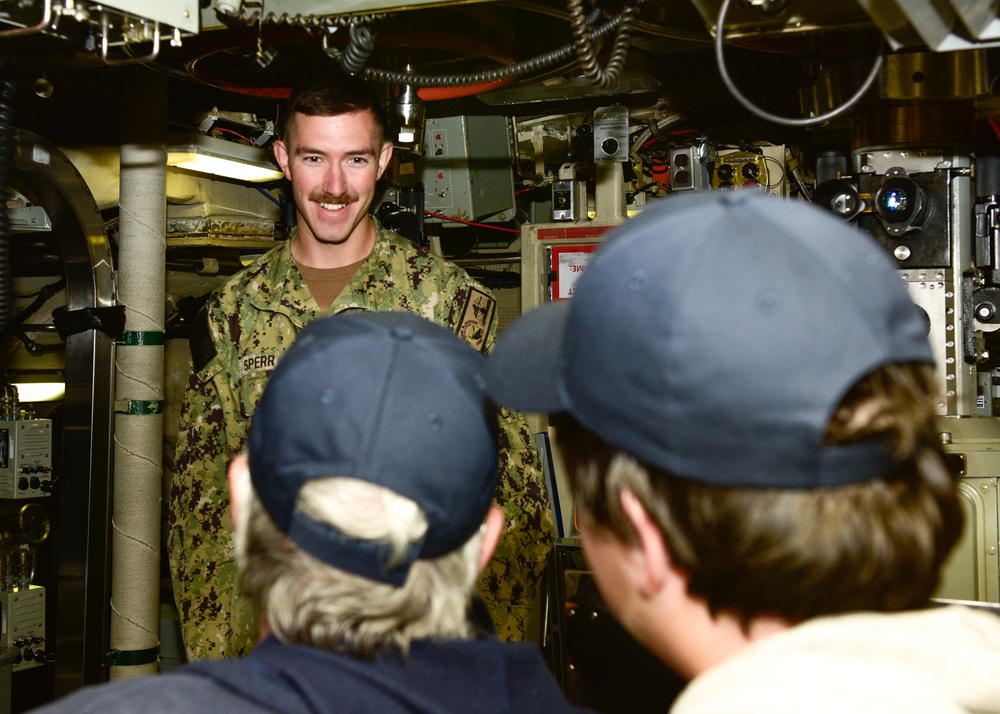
<point>200,337</point>
<point>477,318</point>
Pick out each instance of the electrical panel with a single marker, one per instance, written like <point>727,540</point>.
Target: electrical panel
<point>762,169</point>
<point>739,169</point>
<point>759,167</point>
<point>466,170</point>
<point>25,458</point>
<point>23,625</point>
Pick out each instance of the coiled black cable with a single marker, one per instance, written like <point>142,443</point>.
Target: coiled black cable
<point>494,75</point>
<point>359,48</point>
<point>585,52</point>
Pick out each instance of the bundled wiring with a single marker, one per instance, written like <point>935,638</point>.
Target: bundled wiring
<point>643,137</point>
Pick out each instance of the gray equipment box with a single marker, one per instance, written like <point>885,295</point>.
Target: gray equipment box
<point>25,458</point>
<point>466,169</point>
<point>24,625</point>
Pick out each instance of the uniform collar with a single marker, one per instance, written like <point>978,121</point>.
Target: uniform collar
<point>283,289</point>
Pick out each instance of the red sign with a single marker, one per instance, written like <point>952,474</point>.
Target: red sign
<point>568,263</point>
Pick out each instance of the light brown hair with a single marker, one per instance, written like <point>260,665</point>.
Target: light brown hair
<point>797,553</point>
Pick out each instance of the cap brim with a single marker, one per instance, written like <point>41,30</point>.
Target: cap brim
<point>524,369</point>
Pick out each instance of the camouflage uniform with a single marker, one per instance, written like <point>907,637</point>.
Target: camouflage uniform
<point>252,319</point>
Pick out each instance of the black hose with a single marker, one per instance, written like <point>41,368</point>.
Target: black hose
<point>7,87</point>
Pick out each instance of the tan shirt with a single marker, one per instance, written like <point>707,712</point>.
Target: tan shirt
<point>326,284</point>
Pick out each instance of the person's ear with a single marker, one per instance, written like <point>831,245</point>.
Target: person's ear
<point>281,156</point>
<point>654,550</point>
<point>239,483</point>
<point>383,158</point>
<point>492,530</point>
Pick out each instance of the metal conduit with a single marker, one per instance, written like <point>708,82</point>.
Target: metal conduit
<point>136,511</point>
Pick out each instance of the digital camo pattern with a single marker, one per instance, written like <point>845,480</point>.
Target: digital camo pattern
<point>253,319</point>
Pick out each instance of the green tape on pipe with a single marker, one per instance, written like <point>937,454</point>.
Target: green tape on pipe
<point>139,407</point>
<point>140,339</point>
<point>132,658</point>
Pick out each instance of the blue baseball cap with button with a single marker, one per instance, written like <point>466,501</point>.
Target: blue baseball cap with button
<point>389,398</point>
<point>713,336</point>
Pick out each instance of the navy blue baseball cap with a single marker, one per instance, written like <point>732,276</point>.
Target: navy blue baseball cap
<point>388,398</point>
<point>714,335</point>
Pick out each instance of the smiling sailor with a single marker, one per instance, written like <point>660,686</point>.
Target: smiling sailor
<point>333,152</point>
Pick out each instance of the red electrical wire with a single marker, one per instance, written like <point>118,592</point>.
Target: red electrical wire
<point>234,133</point>
<point>471,223</point>
<point>994,125</point>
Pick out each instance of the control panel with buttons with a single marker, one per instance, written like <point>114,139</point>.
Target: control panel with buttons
<point>23,625</point>
<point>25,458</point>
<point>762,169</point>
<point>740,169</point>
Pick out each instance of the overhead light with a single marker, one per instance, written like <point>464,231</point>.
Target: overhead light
<point>40,391</point>
<point>408,112</point>
<point>218,157</point>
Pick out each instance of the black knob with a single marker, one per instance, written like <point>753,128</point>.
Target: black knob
<point>28,654</point>
<point>610,146</point>
<point>35,482</point>
<point>18,658</point>
<point>750,171</point>
<point>22,483</point>
<point>724,172</point>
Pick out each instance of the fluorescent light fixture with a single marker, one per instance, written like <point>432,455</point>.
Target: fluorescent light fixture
<point>218,157</point>
<point>40,391</point>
